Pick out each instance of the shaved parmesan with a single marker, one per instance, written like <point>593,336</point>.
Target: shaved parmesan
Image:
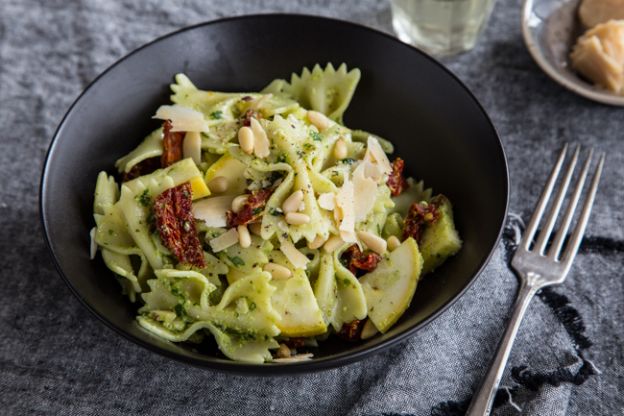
<point>345,201</point>
<point>297,258</point>
<point>378,164</point>
<point>294,358</point>
<point>192,146</point>
<point>261,143</point>
<point>364,193</point>
<point>327,201</point>
<point>212,210</point>
<point>258,103</point>
<point>93,247</point>
<point>225,240</point>
<point>182,118</point>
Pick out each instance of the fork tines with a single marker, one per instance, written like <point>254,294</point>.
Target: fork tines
<point>541,243</point>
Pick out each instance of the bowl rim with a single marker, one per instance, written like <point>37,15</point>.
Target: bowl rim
<point>273,369</point>
<point>583,89</point>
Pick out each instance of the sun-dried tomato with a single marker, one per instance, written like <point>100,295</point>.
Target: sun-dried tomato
<point>176,225</point>
<point>245,119</point>
<point>142,168</point>
<point>359,262</point>
<point>296,342</point>
<point>351,331</point>
<point>419,216</point>
<point>396,181</point>
<point>251,209</point>
<point>172,145</point>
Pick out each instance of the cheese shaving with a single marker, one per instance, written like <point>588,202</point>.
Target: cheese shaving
<point>297,258</point>
<point>345,201</point>
<point>225,240</point>
<point>93,247</point>
<point>364,193</point>
<point>327,201</point>
<point>213,210</point>
<point>294,358</point>
<point>378,163</point>
<point>182,118</point>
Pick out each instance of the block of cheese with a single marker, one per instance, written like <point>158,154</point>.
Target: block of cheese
<point>599,55</point>
<point>594,12</point>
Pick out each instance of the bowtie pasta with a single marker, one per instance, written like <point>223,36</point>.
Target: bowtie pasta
<point>261,220</point>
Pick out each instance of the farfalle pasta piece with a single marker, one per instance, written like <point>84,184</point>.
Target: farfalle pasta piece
<point>328,90</point>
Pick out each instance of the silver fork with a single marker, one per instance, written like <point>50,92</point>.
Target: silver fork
<point>536,267</point>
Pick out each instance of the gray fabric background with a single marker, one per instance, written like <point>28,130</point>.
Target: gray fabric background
<point>56,359</point>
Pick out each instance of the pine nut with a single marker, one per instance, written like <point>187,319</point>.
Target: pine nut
<point>191,147</point>
<point>297,218</point>
<point>368,330</point>
<point>291,204</point>
<point>237,203</point>
<point>256,228</point>
<point>261,141</point>
<point>246,139</point>
<point>375,243</point>
<point>316,243</point>
<point>332,244</point>
<point>320,120</point>
<point>218,184</point>
<point>244,238</point>
<point>283,351</point>
<point>278,271</point>
<point>340,149</point>
<point>393,243</point>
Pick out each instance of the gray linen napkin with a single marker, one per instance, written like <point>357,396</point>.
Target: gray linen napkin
<point>56,359</point>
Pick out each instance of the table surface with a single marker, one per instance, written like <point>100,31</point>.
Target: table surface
<point>55,358</point>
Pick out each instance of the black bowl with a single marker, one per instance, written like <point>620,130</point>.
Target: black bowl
<point>436,124</point>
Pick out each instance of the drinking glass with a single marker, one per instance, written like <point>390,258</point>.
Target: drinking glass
<point>440,27</point>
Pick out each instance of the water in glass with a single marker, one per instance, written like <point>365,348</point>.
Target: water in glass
<point>441,27</point>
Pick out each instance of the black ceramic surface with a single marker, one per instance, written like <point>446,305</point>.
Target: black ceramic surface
<point>436,124</point>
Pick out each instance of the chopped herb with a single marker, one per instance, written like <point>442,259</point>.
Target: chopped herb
<point>110,232</point>
<point>348,161</point>
<point>275,211</point>
<point>237,261</point>
<point>240,334</point>
<point>316,136</point>
<point>216,115</point>
<point>252,306</point>
<point>257,210</point>
<point>144,198</point>
<point>179,310</point>
<point>308,146</point>
<point>281,158</point>
<point>176,291</point>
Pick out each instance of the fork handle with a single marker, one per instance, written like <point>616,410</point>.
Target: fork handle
<point>481,404</point>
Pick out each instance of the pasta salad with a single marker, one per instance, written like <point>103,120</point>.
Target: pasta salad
<point>260,220</point>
